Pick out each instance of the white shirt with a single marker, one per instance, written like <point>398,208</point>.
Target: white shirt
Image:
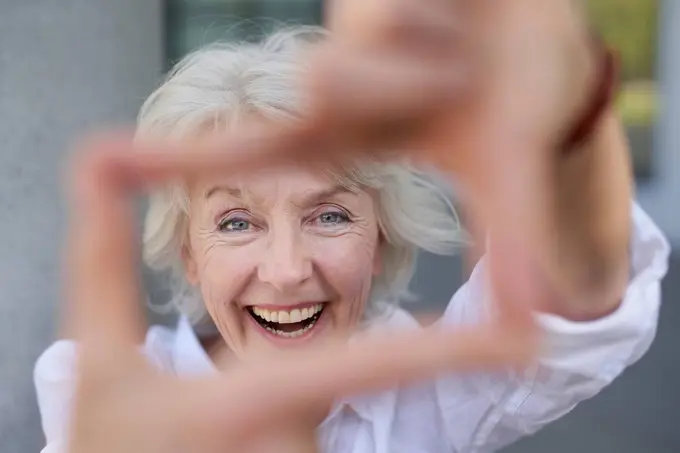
<point>462,413</point>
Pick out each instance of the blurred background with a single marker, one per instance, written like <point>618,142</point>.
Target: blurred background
<point>73,66</point>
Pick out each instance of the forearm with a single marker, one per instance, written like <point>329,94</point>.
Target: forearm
<point>593,203</point>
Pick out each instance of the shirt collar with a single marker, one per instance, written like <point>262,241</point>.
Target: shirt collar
<point>188,356</point>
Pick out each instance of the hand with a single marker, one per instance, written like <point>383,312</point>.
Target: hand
<point>392,60</point>
<point>122,404</point>
<point>484,90</point>
<point>388,73</point>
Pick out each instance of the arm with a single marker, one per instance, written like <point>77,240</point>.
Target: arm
<point>592,235</point>
<point>593,206</point>
<point>607,260</point>
<point>582,359</point>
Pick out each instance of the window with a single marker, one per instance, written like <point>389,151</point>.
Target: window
<point>192,23</point>
<point>630,26</point>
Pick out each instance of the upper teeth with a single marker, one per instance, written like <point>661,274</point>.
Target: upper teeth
<point>288,316</point>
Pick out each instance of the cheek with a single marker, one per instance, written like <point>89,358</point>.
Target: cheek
<point>347,262</point>
<point>223,270</point>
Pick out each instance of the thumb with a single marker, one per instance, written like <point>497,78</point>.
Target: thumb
<point>352,92</point>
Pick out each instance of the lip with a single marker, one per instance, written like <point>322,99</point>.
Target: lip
<point>283,341</point>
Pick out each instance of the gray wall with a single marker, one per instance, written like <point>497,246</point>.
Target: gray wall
<point>66,66</point>
<point>661,196</point>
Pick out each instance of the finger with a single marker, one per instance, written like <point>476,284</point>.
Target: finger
<point>254,146</point>
<point>431,28</point>
<point>517,210</point>
<point>359,101</point>
<point>261,394</point>
<point>103,301</point>
<point>379,98</point>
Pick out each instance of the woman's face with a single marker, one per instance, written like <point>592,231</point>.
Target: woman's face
<point>281,258</point>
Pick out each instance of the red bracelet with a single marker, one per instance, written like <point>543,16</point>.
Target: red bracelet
<point>601,98</point>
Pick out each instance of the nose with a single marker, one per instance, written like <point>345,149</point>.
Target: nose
<point>286,263</point>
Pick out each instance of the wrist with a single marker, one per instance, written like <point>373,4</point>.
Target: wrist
<point>596,85</point>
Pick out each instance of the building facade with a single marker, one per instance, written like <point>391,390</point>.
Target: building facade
<point>72,66</point>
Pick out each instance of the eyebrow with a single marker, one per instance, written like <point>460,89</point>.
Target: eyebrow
<point>314,198</point>
<point>231,191</point>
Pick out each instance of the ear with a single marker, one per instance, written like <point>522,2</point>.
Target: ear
<point>190,267</point>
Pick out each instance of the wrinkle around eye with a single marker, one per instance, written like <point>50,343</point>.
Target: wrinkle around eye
<point>212,237</point>
<point>356,226</point>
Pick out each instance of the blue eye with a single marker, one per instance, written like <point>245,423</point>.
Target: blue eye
<point>233,224</point>
<point>332,218</point>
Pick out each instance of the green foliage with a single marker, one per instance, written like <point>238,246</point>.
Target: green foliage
<point>638,103</point>
<point>631,26</point>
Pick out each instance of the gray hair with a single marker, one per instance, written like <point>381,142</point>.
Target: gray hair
<point>214,86</point>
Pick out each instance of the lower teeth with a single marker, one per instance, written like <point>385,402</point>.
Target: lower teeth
<point>293,334</point>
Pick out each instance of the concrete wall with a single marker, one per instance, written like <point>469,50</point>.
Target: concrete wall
<point>661,196</point>
<point>66,67</point>
<point>69,66</point>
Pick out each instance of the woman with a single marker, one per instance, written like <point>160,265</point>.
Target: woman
<point>274,261</point>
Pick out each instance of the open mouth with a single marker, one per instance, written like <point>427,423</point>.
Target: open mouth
<point>288,323</point>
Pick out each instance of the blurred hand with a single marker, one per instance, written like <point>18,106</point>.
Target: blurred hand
<point>481,89</point>
<point>484,90</point>
<point>123,404</point>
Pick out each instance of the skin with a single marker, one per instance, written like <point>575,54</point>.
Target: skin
<point>479,100</point>
<point>481,89</point>
<point>283,238</point>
